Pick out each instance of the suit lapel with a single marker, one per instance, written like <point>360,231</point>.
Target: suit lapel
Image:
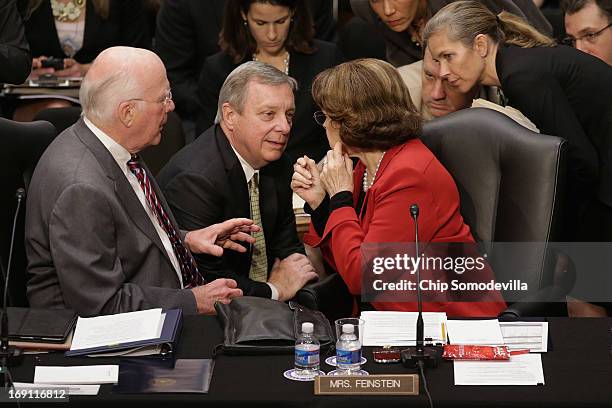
<point>268,203</point>
<point>123,188</point>
<point>237,189</point>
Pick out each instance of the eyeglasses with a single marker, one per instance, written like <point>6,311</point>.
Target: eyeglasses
<point>319,117</point>
<point>589,37</point>
<point>164,100</point>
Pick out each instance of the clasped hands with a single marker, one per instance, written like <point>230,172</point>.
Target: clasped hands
<point>333,175</point>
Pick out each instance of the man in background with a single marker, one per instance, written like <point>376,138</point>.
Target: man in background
<point>588,24</point>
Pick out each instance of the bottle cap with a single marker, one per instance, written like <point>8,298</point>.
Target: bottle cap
<point>307,327</point>
<point>348,328</point>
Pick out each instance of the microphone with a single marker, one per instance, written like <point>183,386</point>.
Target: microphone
<point>9,356</point>
<point>419,356</point>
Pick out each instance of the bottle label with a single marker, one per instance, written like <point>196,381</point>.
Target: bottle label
<point>306,357</point>
<point>348,356</point>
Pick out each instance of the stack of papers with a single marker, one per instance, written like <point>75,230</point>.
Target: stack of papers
<point>475,332</point>
<point>524,369</point>
<point>526,335</point>
<point>384,328</point>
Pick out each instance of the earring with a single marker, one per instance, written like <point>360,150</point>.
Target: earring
<point>244,22</point>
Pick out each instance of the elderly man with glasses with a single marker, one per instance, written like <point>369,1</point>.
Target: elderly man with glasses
<point>100,237</point>
<point>588,24</point>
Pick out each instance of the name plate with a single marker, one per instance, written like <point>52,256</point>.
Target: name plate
<point>396,384</point>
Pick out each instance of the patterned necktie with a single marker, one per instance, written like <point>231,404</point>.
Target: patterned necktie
<point>189,269</point>
<point>259,259</point>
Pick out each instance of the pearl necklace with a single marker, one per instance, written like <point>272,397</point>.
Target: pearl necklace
<point>285,61</point>
<point>367,186</point>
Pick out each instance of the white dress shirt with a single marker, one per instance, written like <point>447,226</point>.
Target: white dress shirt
<point>122,156</point>
<point>249,172</point>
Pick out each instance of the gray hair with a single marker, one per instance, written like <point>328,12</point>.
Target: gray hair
<point>100,96</point>
<point>464,20</point>
<point>235,87</point>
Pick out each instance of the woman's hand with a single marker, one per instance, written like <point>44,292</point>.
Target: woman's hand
<point>72,69</point>
<point>37,68</point>
<point>306,182</point>
<point>337,174</point>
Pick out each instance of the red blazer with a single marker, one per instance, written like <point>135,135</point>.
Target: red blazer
<point>408,174</point>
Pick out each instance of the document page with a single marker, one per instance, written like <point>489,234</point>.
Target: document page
<point>399,328</point>
<point>475,332</point>
<point>119,328</point>
<point>526,335</point>
<point>524,369</point>
<point>94,374</point>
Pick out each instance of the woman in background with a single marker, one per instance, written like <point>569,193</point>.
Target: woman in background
<point>75,32</point>
<point>279,33</point>
<point>565,92</point>
<point>367,113</point>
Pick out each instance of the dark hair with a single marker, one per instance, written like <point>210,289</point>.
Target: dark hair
<point>464,20</point>
<point>236,40</point>
<point>574,6</point>
<point>370,101</point>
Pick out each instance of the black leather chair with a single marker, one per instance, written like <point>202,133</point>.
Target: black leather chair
<point>510,181</point>
<point>21,145</point>
<point>172,140</point>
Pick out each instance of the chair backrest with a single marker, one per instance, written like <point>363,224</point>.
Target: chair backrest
<point>21,145</point>
<point>510,182</point>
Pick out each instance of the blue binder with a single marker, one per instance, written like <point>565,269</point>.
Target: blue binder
<point>169,336</point>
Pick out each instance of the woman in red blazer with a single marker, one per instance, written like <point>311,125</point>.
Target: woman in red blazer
<point>367,113</point>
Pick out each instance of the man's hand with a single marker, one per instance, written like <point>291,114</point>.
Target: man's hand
<point>213,239</point>
<point>291,274</point>
<point>219,290</point>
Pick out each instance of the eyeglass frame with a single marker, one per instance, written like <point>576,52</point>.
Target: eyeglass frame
<point>320,117</point>
<point>165,101</point>
<point>590,37</point>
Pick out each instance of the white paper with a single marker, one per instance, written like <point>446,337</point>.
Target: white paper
<point>524,369</point>
<point>73,389</point>
<point>384,328</point>
<point>526,335</point>
<point>114,329</point>
<point>475,332</point>
<point>94,374</point>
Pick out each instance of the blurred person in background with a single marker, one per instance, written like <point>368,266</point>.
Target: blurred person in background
<point>588,24</point>
<point>75,32</point>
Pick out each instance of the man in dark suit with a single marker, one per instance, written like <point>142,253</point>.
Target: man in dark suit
<point>100,237</point>
<point>237,169</point>
<point>188,32</point>
<point>15,58</point>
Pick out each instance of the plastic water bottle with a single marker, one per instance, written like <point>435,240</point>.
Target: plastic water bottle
<point>307,349</point>
<point>348,350</point>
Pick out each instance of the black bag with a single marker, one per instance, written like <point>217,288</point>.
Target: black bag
<point>254,325</point>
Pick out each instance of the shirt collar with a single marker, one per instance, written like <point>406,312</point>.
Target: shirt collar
<point>249,171</point>
<point>119,153</point>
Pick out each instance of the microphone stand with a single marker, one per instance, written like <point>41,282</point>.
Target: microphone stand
<point>9,356</point>
<point>419,356</point>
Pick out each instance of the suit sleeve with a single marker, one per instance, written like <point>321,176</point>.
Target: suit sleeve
<point>89,270</point>
<point>285,238</point>
<point>208,88</point>
<point>323,16</point>
<point>196,204</point>
<point>135,30</point>
<point>544,102</point>
<point>175,43</point>
<point>15,58</point>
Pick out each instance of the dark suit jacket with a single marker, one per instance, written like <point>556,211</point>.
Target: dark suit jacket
<point>205,184</point>
<point>126,25</point>
<point>188,33</point>
<point>402,51</point>
<point>307,137</point>
<point>15,58</point>
<point>91,246</point>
